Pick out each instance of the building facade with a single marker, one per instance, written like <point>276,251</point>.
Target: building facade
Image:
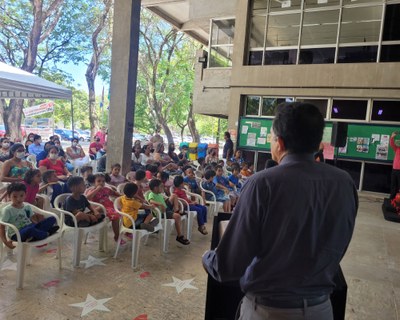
<point>341,55</point>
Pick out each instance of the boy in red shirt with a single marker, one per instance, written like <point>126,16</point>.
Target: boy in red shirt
<point>200,209</point>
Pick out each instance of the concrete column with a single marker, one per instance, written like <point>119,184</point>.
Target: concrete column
<point>124,63</point>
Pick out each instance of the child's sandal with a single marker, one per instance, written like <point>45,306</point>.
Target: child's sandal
<point>182,240</point>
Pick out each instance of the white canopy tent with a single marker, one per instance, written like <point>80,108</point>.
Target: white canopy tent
<point>18,84</point>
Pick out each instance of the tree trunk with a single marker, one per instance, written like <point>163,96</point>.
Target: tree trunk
<point>192,125</point>
<point>93,117</point>
<point>167,131</point>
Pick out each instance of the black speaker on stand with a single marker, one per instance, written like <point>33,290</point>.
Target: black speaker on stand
<point>339,137</point>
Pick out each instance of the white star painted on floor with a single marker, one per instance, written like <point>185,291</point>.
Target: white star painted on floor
<point>9,265</point>
<point>93,261</point>
<point>180,285</point>
<point>91,304</point>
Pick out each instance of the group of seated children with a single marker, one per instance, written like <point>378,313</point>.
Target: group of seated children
<point>145,189</point>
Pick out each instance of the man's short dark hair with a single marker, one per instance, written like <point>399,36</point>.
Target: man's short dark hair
<point>178,180</point>
<point>36,137</point>
<point>154,184</point>
<point>140,175</point>
<point>15,187</point>
<point>227,134</point>
<point>130,189</point>
<point>300,126</point>
<point>74,181</point>
<point>208,174</point>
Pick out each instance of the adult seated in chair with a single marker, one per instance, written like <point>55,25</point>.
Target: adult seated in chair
<point>291,226</point>
<point>52,162</point>
<point>94,148</point>
<point>36,147</point>
<point>14,170</point>
<point>76,155</point>
<point>5,149</point>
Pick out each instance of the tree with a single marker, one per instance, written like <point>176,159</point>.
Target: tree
<point>101,41</point>
<point>32,36</point>
<point>165,73</point>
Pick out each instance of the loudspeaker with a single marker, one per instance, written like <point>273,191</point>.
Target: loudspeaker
<point>339,134</point>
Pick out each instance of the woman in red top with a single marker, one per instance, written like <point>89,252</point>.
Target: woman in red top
<point>395,183</point>
<point>53,163</point>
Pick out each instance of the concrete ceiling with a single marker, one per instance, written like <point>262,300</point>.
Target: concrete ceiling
<point>191,16</point>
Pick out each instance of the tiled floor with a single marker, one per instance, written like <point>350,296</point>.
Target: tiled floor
<point>371,268</point>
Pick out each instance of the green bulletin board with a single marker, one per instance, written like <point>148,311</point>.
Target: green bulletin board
<point>368,142</point>
<point>364,141</point>
<point>255,133</point>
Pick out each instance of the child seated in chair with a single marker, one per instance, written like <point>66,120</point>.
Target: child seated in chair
<point>101,193</point>
<point>31,226</point>
<point>79,206</point>
<point>32,180</point>
<point>169,207</point>
<point>190,180</point>
<point>51,187</point>
<point>116,177</point>
<point>225,185</point>
<point>220,195</point>
<point>193,206</point>
<point>142,184</point>
<point>131,206</point>
<point>86,171</point>
<point>234,178</point>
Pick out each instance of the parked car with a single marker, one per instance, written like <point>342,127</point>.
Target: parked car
<point>64,134</point>
<point>140,137</point>
<point>82,135</point>
<point>3,131</point>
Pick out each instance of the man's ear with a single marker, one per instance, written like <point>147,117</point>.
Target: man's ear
<point>281,145</point>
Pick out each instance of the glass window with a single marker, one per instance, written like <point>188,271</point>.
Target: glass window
<point>283,30</point>
<point>223,31</point>
<point>390,53</point>
<point>252,105</point>
<point>317,56</point>
<point>221,57</point>
<point>269,105</point>
<point>349,109</point>
<point>285,5</point>
<point>361,24</point>
<point>321,104</point>
<point>377,178</point>
<point>320,3</point>
<point>346,2</point>
<point>280,57</point>
<point>391,28</point>
<point>255,58</point>
<point>257,32</point>
<point>262,158</point>
<point>320,27</point>
<point>385,110</point>
<point>357,54</point>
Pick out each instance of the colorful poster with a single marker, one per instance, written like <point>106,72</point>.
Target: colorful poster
<point>375,138</point>
<point>256,125</point>
<point>385,139</point>
<point>343,149</point>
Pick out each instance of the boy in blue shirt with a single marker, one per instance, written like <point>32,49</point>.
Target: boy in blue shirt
<point>224,184</point>
<point>220,195</point>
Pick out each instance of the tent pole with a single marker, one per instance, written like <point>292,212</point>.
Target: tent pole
<point>72,117</point>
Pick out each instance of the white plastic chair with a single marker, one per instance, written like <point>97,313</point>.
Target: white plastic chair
<point>191,215</point>
<point>32,160</point>
<point>167,227</point>
<point>121,187</point>
<point>214,205</point>
<point>79,233</point>
<point>24,248</point>
<point>137,234</point>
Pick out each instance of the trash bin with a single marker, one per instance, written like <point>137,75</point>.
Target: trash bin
<point>193,151</point>
<point>202,150</point>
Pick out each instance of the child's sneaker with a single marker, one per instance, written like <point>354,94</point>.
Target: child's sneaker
<point>147,226</point>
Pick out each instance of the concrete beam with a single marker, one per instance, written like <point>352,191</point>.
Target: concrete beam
<point>154,3</point>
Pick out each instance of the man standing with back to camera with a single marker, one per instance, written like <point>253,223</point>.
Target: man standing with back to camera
<point>291,226</point>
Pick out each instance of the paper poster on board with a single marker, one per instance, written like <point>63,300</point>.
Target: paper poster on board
<point>261,140</point>
<point>251,139</point>
<point>375,138</point>
<point>263,132</point>
<point>343,149</point>
<point>381,152</point>
<point>245,129</point>
<point>385,139</point>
